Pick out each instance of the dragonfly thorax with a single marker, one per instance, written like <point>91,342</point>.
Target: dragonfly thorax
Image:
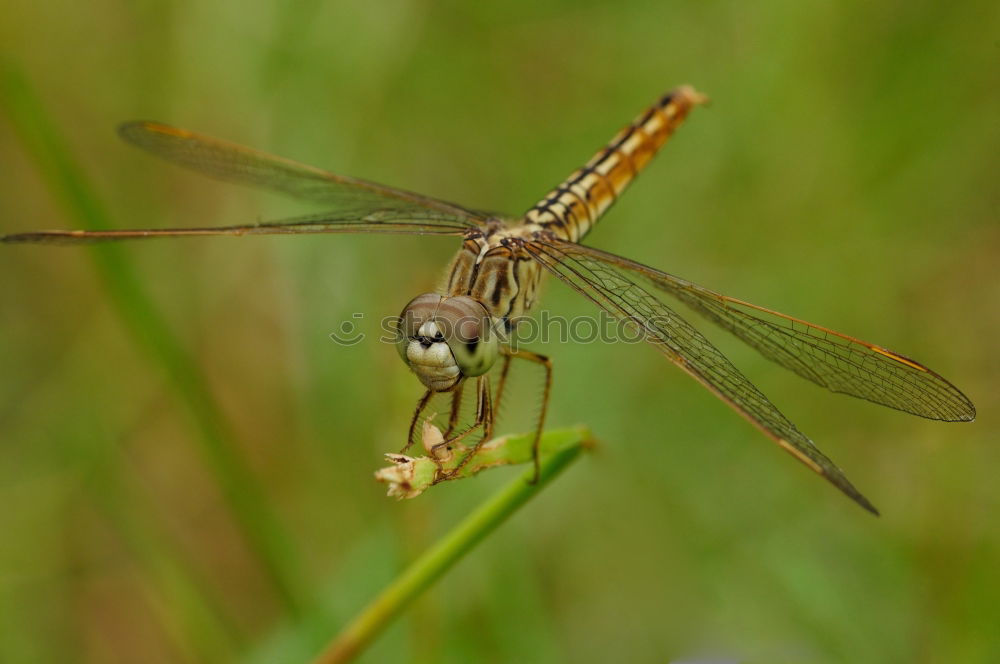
<point>445,339</point>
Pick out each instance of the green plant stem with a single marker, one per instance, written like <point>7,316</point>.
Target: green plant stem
<point>567,443</point>
<point>150,330</point>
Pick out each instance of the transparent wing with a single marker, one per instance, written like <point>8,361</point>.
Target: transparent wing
<point>829,359</point>
<point>610,282</point>
<point>378,221</point>
<point>243,165</point>
<point>358,206</point>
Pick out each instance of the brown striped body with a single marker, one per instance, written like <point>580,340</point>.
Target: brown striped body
<point>571,209</point>
<point>492,269</point>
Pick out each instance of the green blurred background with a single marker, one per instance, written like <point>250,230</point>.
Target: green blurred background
<point>846,173</point>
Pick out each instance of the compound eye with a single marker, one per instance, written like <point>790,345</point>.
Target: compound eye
<point>419,310</point>
<point>469,331</point>
<point>475,356</point>
<point>471,338</point>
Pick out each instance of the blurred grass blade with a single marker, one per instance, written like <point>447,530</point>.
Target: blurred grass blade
<point>151,332</point>
<point>173,589</point>
<point>566,445</point>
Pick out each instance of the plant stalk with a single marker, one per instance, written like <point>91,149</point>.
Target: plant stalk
<point>567,444</point>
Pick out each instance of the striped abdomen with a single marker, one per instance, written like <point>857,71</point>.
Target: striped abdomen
<point>572,208</point>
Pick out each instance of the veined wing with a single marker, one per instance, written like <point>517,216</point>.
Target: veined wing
<point>242,165</point>
<point>610,282</point>
<point>395,222</point>
<point>828,358</point>
<point>359,206</point>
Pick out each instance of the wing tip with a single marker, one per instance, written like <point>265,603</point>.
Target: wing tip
<point>956,408</point>
<point>132,128</point>
<point>837,478</point>
<point>859,498</point>
<point>26,238</point>
<point>832,474</point>
<point>127,127</point>
<point>969,414</point>
<point>62,237</point>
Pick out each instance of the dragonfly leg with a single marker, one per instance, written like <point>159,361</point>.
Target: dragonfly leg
<point>502,380</point>
<point>547,365</point>
<point>421,405</point>
<point>456,407</point>
<point>484,420</point>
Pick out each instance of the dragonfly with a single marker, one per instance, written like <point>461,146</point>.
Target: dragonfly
<point>454,337</point>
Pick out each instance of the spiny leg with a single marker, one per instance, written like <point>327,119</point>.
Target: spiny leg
<point>456,407</point>
<point>477,423</point>
<point>484,419</point>
<point>421,405</point>
<point>502,380</point>
<point>547,365</point>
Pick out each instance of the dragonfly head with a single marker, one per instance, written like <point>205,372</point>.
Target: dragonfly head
<point>445,339</point>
